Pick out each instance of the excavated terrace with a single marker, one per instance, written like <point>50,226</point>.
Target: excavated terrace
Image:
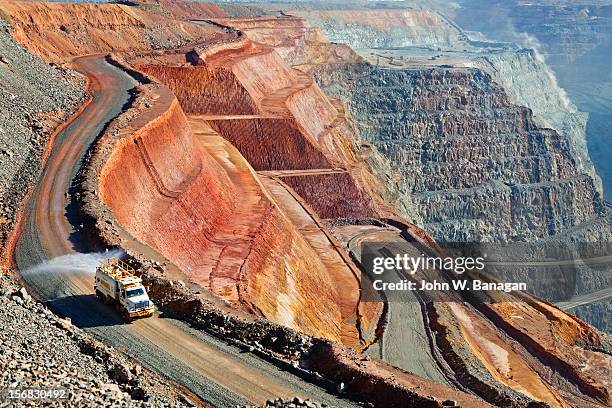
<point>177,183</point>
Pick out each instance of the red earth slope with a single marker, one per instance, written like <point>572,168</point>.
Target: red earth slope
<point>213,221</point>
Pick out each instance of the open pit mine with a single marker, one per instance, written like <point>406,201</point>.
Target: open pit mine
<point>191,194</point>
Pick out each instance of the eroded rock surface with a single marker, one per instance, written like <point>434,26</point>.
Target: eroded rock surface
<point>476,166</point>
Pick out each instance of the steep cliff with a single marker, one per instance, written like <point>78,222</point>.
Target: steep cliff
<point>476,166</point>
<point>211,220</point>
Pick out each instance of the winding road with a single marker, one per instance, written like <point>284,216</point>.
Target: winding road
<point>50,253</point>
<point>585,299</point>
<point>405,342</point>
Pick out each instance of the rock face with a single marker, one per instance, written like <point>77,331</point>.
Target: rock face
<point>476,166</point>
<point>575,39</point>
<point>27,118</point>
<point>217,226</point>
<point>383,28</point>
<point>596,314</point>
<point>58,30</point>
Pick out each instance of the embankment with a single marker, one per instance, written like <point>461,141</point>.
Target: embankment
<point>178,200</point>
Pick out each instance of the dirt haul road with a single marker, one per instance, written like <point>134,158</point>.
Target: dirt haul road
<point>405,342</point>
<point>217,373</point>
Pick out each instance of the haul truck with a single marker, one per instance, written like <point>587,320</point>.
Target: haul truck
<point>117,284</point>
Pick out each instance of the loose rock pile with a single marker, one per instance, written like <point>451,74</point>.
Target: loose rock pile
<point>260,335</point>
<point>34,98</point>
<point>41,350</point>
<point>291,403</point>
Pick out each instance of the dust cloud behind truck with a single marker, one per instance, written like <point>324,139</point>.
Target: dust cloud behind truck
<point>117,284</point>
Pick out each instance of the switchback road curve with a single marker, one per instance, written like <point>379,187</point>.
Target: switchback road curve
<point>216,372</point>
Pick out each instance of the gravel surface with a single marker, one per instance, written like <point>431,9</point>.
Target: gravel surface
<point>37,348</point>
<point>34,98</point>
<point>40,350</point>
<point>295,402</point>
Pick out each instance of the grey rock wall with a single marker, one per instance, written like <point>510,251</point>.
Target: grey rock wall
<point>475,165</point>
<point>528,81</point>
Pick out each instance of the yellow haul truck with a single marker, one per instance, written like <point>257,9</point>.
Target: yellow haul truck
<point>117,284</point>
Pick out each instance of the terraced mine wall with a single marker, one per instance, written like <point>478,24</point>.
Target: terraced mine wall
<point>575,40</point>
<point>177,200</point>
<point>275,138</point>
<point>258,82</point>
<point>522,72</point>
<point>56,31</point>
<point>476,166</point>
<point>362,28</point>
<point>292,124</point>
<point>311,187</point>
<point>268,141</point>
<point>192,175</point>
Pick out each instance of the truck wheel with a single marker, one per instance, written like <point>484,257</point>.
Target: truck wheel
<point>101,296</point>
<point>126,317</point>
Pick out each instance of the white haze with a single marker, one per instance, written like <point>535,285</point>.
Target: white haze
<point>532,42</point>
<point>79,263</point>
